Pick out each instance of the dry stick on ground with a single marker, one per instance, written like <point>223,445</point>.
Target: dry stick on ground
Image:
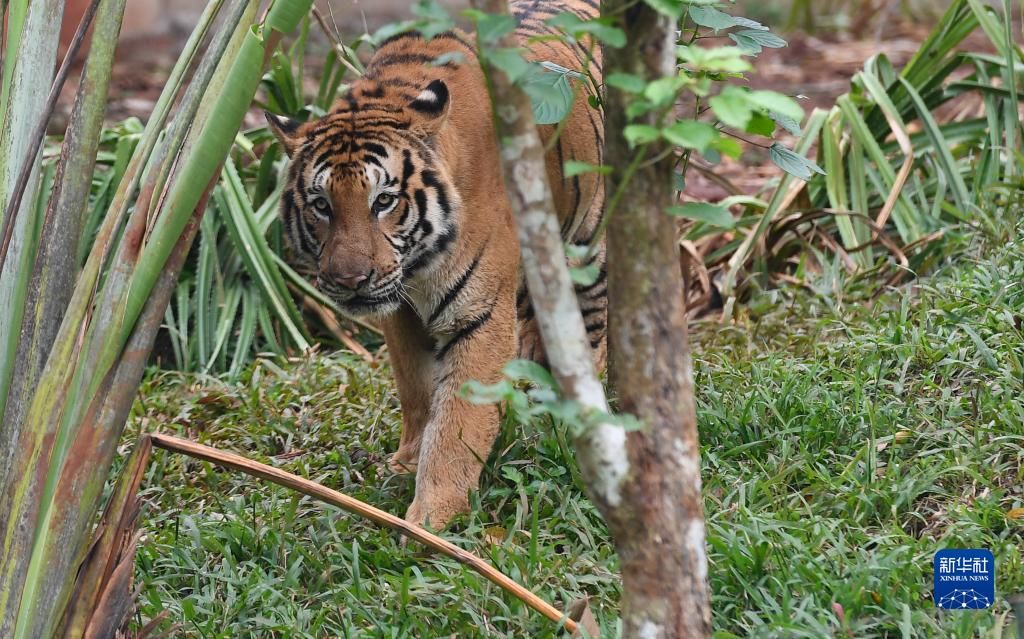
<point>659,530</point>
<point>353,505</point>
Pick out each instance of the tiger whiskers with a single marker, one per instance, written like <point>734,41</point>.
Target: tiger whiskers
<point>404,294</point>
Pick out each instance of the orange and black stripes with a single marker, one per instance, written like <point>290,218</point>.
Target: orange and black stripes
<point>395,201</point>
<point>375,129</point>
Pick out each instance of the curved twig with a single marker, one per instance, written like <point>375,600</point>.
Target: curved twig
<point>377,516</point>
<point>879,236</point>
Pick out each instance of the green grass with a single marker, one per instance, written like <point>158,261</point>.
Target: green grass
<point>843,445</point>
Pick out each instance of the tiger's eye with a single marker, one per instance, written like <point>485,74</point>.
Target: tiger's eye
<point>322,206</point>
<point>383,202</point>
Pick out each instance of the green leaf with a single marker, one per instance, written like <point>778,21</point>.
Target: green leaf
<point>640,134</point>
<point>576,252</point>
<point>748,23</point>
<point>391,30</point>
<point>477,393</point>
<point>713,214</point>
<point>752,41</point>
<point>456,57</point>
<point>787,123</point>
<point>601,29</point>
<point>718,59</point>
<point>557,68</point>
<point>627,82</point>
<point>691,134</point>
<point>550,95</point>
<point>777,102</point>
<point>764,38</point>
<point>509,61</point>
<point>728,146</point>
<point>712,18</point>
<point>433,19</point>
<point>521,369</point>
<point>638,108</point>
<point>584,275</point>
<point>733,107</point>
<point>663,91</point>
<point>491,27</point>
<point>607,34</point>
<point>747,45</point>
<point>573,168</point>
<point>793,163</point>
<point>670,8</point>
<point>761,124</point>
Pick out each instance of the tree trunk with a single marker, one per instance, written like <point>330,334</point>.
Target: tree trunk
<point>646,485</point>
<point>599,448</point>
<point>659,530</point>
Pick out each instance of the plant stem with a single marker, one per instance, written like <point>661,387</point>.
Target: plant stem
<point>39,133</point>
<point>613,202</point>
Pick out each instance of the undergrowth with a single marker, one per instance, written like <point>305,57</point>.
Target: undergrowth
<point>842,446</point>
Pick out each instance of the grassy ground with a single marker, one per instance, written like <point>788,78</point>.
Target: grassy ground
<point>843,445</point>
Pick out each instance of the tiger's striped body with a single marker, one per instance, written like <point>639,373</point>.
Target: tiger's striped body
<point>395,200</point>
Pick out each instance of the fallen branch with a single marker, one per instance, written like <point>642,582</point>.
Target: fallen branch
<point>377,516</point>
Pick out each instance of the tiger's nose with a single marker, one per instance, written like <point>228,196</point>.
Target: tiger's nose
<point>353,281</point>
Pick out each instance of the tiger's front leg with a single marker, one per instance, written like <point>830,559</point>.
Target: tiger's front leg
<point>459,435</point>
<point>410,349</point>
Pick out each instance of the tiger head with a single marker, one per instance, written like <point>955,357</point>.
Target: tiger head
<point>369,204</point>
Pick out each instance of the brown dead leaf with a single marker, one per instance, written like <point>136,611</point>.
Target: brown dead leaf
<point>579,611</point>
<point>495,535</point>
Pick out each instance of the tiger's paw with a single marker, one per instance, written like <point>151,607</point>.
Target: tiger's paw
<point>403,462</point>
<point>436,512</point>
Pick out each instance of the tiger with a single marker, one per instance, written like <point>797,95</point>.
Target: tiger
<point>395,200</point>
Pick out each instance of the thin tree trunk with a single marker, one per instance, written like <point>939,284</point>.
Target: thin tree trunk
<point>646,484</point>
<point>659,531</point>
<point>599,449</point>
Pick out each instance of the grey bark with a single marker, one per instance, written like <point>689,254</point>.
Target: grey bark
<point>599,449</point>
<point>659,529</point>
<point>647,483</point>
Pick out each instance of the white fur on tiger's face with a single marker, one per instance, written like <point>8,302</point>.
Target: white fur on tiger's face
<point>370,207</point>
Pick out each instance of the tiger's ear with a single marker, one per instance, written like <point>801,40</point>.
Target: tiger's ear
<point>430,108</point>
<point>285,130</point>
